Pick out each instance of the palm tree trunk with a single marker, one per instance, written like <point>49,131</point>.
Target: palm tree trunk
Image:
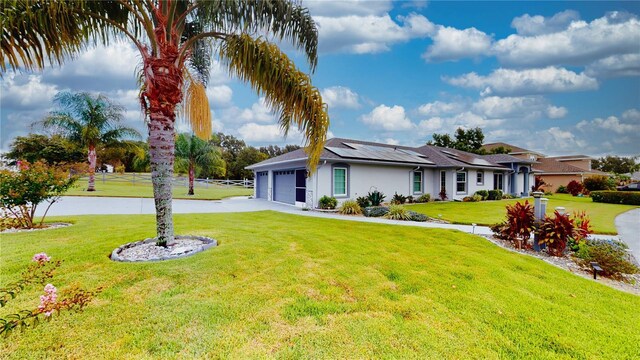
<point>161,152</point>
<point>192,172</point>
<point>92,168</point>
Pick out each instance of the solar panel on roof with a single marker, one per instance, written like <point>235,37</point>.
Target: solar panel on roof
<point>369,152</point>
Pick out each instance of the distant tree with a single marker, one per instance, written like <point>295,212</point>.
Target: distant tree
<point>499,150</point>
<point>247,156</point>
<point>465,140</point>
<point>50,149</point>
<point>616,164</point>
<point>275,150</point>
<point>88,121</point>
<point>193,153</point>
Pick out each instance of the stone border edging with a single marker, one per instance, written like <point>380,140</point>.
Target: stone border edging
<point>208,243</point>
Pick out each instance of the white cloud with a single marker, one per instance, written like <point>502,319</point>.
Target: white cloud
<point>510,107</point>
<point>631,115</point>
<point>253,132</point>
<point>611,123</point>
<point>556,112</point>
<point>453,44</point>
<point>615,66</point>
<point>391,141</point>
<point>437,108</point>
<point>25,92</point>
<point>388,118</point>
<point>556,141</point>
<point>370,33</point>
<point>523,82</point>
<point>219,96</point>
<point>340,97</point>
<point>580,43</point>
<point>464,120</point>
<point>528,25</point>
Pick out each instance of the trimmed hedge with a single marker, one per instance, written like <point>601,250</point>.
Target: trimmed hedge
<point>616,197</point>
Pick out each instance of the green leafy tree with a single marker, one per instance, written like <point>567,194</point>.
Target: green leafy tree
<point>616,164</point>
<point>247,156</point>
<point>275,150</point>
<point>88,121</point>
<point>193,153</point>
<point>176,39</point>
<point>50,149</point>
<point>470,140</point>
<point>22,191</point>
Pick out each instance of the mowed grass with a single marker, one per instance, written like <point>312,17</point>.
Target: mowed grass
<point>490,212</point>
<point>286,286</point>
<point>124,187</point>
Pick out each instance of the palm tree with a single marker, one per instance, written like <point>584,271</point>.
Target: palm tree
<point>176,40</point>
<point>88,121</point>
<point>193,152</point>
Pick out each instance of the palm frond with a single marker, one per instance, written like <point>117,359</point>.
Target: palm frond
<point>286,20</point>
<point>35,32</point>
<point>196,107</point>
<point>288,91</point>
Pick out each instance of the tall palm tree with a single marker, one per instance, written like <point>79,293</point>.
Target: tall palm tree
<point>193,152</point>
<point>176,40</point>
<point>89,121</point>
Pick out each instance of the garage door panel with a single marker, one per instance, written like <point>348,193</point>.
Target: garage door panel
<point>285,186</point>
<point>262,184</point>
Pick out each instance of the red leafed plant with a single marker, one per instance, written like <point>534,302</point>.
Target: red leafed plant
<point>520,221</point>
<point>574,187</point>
<point>582,226</point>
<point>555,232</point>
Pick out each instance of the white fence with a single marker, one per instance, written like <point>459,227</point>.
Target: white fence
<point>145,178</point>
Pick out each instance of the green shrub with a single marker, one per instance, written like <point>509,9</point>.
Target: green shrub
<point>418,216</point>
<point>484,194</point>
<point>398,212</point>
<point>473,198</point>
<point>410,199</point>
<point>611,255</point>
<point>375,198</point>
<point>22,191</point>
<point>562,190</point>
<point>328,203</point>
<point>508,196</point>
<point>494,195</point>
<point>375,211</point>
<point>424,198</point>
<point>363,201</point>
<point>398,199</point>
<point>350,207</point>
<point>616,197</point>
<point>598,182</point>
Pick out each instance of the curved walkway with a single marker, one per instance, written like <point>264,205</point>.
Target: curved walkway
<point>85,205</point>
<point>628,225</point>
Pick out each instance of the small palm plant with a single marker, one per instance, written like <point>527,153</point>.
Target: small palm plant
<point>192,153</point>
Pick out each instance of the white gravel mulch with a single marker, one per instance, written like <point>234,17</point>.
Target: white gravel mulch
<point>49,226</point>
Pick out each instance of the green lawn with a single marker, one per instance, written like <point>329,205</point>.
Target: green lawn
<point>286,286</point>
<point>490,212</point>
<point>123,186</point>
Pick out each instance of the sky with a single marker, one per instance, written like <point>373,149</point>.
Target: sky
<point>555,77</point>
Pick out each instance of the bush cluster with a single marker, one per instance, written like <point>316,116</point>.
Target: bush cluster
<point>473,198</point>
<point>599,182</point>
<point>575,187</point>
<point>562,190</point>
<point>327,202</point>
<point>609,254</point>
<point>398,212</point>
<point>398,199</point>
<point>616,197</point>
<point>375,211</point>
<point>350,207</point>
<point>494,195</point>
<point>418,216</point>
<point>424,198</point>
<point>484,194</point>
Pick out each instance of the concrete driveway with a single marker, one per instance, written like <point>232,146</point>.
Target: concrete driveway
<point>628,225</point>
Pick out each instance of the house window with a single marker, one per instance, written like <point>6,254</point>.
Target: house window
<point>443,180</point>
<point>417,182</point>
<point>480,177</point>
<point>497,181</point>
<point>461,182</point>
<point>339,181</point>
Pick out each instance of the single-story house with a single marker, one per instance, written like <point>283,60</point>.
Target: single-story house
<point>556,171</point>
<point>352,168</point>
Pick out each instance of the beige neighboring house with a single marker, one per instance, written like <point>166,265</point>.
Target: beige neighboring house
<point>555,170</point>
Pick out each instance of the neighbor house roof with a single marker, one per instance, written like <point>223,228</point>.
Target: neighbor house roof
<point>553,166</point>
<point>514,149</point>
<point>350,150</point>
<point>570,157</point>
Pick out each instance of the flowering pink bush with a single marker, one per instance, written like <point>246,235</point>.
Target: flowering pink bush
<point>48,300</point>
<point>41,257</point>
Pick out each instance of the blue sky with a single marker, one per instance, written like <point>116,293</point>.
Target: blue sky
<point>556,77</point>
